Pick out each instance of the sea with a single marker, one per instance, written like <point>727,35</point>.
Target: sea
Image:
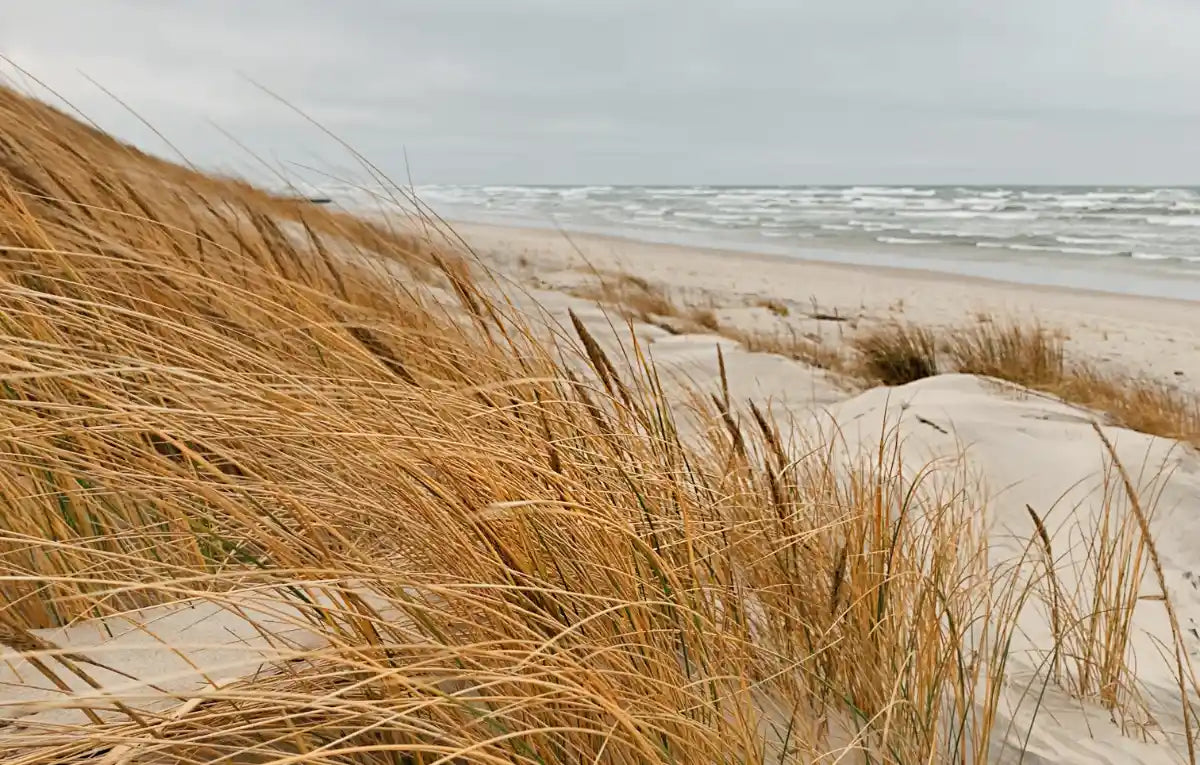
<point>1134,240</point>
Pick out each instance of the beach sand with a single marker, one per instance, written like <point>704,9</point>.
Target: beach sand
<point>1154,337</point>
<point>1021,452</point>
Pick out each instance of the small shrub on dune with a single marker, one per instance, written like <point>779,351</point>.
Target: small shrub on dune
<point>777,307</point>
<point>1028,355</point>
<point>896,354</point>
<point>1033,356</point>
<point>705,318</point>
<point>790,344</point>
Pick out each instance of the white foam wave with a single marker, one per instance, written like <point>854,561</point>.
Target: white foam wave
<point>761,210</point>
<point>968,214</point>
<point>671,192</point>
<point>936,232</point>
<point>1020,247</point>
<point>1089,240</point>
<point>904,240</point>
<point>1174,220</point>
<point>1141,195</point>
<point>988,203</point>
<point>780,234</point>
<point>888,191</point>
<point>1085,251</point>
<point>1151,235</point>
<point>710,217</point>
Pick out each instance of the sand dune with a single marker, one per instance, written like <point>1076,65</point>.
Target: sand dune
<point>1022,449</point>
<point>1158,337</point>
<point>280,485</point>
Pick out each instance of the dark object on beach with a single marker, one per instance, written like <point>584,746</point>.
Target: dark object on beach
<point>311,200</point>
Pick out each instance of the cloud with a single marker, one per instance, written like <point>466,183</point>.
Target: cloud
<point>677,91</point>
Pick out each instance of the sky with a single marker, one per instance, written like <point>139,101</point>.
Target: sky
<point>649,92</point>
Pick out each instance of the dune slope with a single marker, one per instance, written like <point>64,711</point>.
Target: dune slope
<point>279,485</point>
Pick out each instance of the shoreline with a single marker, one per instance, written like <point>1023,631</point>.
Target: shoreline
<point>1104,239</point>
<point>900,272</point>
<point>1153,337</point>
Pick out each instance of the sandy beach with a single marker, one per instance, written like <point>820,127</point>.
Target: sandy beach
<point>1034,464</point>
<point>520,383</point>
<point>1156,337</point>
<point>1002,465</point>
<point>278,479</point>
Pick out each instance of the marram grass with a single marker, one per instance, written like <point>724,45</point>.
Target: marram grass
<point>207,391</point>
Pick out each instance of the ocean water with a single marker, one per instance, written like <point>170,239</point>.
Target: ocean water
<point>1122,239</point>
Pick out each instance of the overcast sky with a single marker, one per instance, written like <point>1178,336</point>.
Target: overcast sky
<point>649,91</point>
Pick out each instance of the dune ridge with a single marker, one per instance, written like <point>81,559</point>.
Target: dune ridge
<point>282,485</point>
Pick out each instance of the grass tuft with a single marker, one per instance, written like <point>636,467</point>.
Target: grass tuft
<point>896,354</point>
<point>1033,356</point>
<point>1029,355</point>
<point>777,307</point>
<point>790,344</point>
<point>634,296</point>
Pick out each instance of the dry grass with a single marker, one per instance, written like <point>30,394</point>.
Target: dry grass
<point>705,318</point>
<point>1029,355</point>
<point>790,344</point>
<point>1148,406</point>
<point>633,296</point>
<point>1033,356</point>
<point>636,299</point>
<point>198,404</point>
<point>896,354</point>
<point>774,306</point>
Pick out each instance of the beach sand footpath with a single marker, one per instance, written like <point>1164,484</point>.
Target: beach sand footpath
<point>1152,337</point>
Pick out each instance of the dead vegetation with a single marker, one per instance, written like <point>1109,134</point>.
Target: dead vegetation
<point>1027,354</point>
<point>790,344</point>
<point>635,298</point>
<point>895,354</point>
<point>1032,356</point>
<point>197,405</point>
<point>777,307</point>
<point>517,564</point>
<point>642,300</point>
<point>899,352</point>
<point>639,298</point>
